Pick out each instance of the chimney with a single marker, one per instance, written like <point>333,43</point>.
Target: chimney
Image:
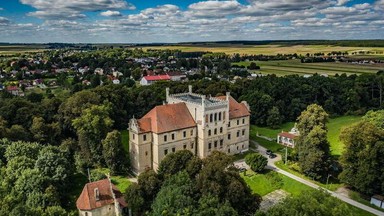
<point>227,95</point>
<point>190,89</point>
<point>166,94</point>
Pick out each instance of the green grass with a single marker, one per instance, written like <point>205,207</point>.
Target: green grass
<point>121,182</point>
<point>334,127</point>
<point>333,183</point>
<point>288,67</point>
<point>125,140</point>
<point>260,184</point>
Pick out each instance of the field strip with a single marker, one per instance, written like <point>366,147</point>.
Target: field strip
<point>304,71</point>
<point>330,68</point>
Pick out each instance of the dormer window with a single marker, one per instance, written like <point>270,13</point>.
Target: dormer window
<point>97,194</point>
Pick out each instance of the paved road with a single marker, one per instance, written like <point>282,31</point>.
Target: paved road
<point>271,165</point>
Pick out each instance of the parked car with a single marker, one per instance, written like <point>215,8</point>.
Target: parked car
<point>269,152</point>
<point>272,155</point>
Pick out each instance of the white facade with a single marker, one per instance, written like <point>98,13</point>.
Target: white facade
<point>214,130</point>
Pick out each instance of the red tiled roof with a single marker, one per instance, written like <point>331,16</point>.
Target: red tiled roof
<point>87,200</point>
<point>166,118</point>
<point>288,135</point>
<point>158,77</point>
<point>12,88</point>
<point>236,109</point>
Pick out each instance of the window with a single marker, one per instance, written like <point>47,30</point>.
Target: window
<point>238,133</point>
<point>221,143</point>
<point>144,137</point>
<point>191,132</point>
<point>211,118</point>
<point>215,116</point>
<point>184,134</point>
<point>229,150</point>
<point>229,123</point>
<point>173,136</point>
<point>243,132</point>
<point>243,120</point>
<point>224,115</point>
<point>165,151</point>
<point>191,145</point>
<point>206,118</point>
<point>215,131</point>
<point>229,136</point>
<point>238,122</point>
<point>165,138</point>
<point>209,132</point>
<point>242,146</point>
<point>133,136</point>
<point>221,129</point>
<point>173,149</point>
<point>215,144</point>
<point>237,147</point>
<point>219,116</point>
<point>146,153</point>
<point>185,146</point>
<point>209,146</point>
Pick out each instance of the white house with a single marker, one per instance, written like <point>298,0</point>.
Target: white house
<point>378,201</point>
<point>116,81</point>
<point>148,80</point>
<point>288,138</point>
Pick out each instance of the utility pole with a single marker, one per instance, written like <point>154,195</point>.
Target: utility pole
<point>286,154</point>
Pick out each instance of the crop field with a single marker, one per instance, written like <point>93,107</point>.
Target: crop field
<point>334,128</point>
<point>14,49</point>
<point>288,67</point>
<point>268,49</point>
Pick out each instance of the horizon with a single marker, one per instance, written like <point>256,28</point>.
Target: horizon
<point>190,21</point>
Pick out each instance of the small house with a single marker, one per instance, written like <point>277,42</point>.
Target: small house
<point>148,80</point>
<point>378,201</point>
<point>288,138</point>
<point>101,198</point>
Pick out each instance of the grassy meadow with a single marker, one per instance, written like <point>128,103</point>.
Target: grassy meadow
<point>334,127</point>
<point>265,49</point>
<point>288,67</point>
<point>20,49</point>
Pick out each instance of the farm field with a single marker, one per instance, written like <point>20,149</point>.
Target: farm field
<point>266,49</point>
<point>334,127</point>
<point>288,67</point>
<point>15,49</point>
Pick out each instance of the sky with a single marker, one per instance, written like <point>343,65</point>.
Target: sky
<point>157,21</point>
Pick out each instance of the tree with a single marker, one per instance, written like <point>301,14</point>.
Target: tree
<point>256,161</point>
<point>45,133</point>
<point>312,202</point>
<point>210,205</point>
<point>136,73</point>
<point>362,159</point>
<point>150,185</point>
<point>134,198</point>
<point>375,117</point>
<point>92,126</point>
<point>218,177</point>
<point>253,66</point>
<point>274,118</point>
<point>174,163</point>
<point>176,197</point>
<point>113,153</point>
<point>312,145</point>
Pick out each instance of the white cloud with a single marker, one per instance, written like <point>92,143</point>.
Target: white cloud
<point>4,21</point>
<point>1,9</point>
<point>110,13</point>
<point>342,2</point>
<point>60,8</point>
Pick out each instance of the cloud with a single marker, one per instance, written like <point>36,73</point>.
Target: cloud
<point>342,2</point>
<point>74,8</point>
<point>4,21</point>
<point>1,9</point>
<point>110,13</point>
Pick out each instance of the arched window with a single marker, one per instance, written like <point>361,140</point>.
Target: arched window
<point>211,118</point>
<point>215,116</point>
<point>219,116</point>
<point>221,130</point>
<point>209,132</point>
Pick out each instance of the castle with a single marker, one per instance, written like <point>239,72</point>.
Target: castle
<point>189,121</point>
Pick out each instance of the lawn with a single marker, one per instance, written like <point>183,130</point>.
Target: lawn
<point>121,182</point>
<point>262,184</point>
<point>125,140</point>
<point>334,127</point>
<point>288,67</point>
<point>264,49</point>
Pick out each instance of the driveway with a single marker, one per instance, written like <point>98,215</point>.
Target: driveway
<point>271,165</point>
